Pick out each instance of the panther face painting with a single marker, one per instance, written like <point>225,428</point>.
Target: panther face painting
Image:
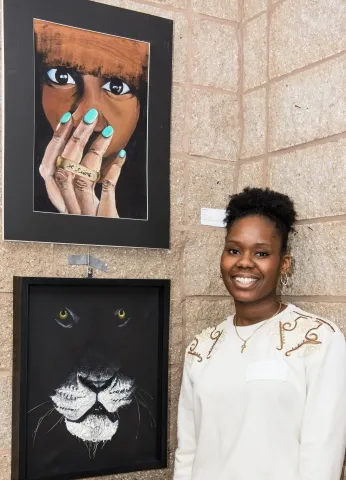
<point>95,382</point>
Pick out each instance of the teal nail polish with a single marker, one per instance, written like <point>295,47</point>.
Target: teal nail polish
<point>107,132</point>
<point>91,116</point>
<point>122,153</point>
<point>65,118</point>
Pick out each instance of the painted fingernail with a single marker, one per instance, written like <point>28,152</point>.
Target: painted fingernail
<point>122,153</point>
<point>91,116</point>
<point>65,118</point>
<point>107,132</point>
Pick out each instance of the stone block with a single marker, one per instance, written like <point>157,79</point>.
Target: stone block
<point>210,185</point>
<point>24,259</point>
<point>6,410</point>
<point>204,313</point>
<point>214,55</point>
<point>5,466</point>
<point>202,255</point>
<point>180,31</point>
<point>227,9</point>
<point>178,118</point>
<point>254,123</point>
<point>6,331</point>
<point>304,32</point>
<point>177,191</point>
<point>314,177</point>
<point>250,175</point>
<point>215,125</point>
<point>319,260</point>
<point>141,263</point>
<point>61,254</point>
<point>253,7</point>
<point>255,52</point>
<point>308,105</point>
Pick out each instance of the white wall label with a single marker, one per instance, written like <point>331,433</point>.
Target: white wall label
<point>213,217</point>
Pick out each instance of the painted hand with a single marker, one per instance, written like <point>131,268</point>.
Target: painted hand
<point>71,184</point>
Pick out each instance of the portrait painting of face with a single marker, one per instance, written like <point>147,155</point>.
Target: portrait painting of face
<point>92,85</point>
<point>95,375</point>
<point>87,118</point>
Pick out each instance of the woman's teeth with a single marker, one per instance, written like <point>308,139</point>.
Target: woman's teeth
<point>245,280</point>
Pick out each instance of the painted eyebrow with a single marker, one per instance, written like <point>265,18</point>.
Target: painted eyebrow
<point>74,66</point>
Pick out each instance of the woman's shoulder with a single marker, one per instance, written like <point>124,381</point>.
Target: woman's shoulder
<point>302,332</point>
<point>205,343</point>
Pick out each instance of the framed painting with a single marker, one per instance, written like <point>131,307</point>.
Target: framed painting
<point>89,377</point>
<point>87,124</point>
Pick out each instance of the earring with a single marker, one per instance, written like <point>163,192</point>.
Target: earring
<point>284,279</point>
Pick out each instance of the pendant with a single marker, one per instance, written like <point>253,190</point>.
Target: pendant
<point>243,347</point>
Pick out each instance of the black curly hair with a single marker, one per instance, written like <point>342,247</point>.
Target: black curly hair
<point>275,206</point>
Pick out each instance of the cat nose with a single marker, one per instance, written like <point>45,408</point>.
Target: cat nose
<point>95,384</point>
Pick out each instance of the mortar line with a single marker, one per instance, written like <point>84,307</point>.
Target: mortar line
<point>240,40</point>
<point>265,172</point>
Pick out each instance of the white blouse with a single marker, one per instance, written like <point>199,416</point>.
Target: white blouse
<point>277,411</point>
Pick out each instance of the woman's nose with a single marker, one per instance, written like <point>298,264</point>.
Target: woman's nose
<point>245,261</point>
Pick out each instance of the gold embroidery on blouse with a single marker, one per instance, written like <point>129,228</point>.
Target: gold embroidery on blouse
<point>326,323</point>
<point>311,337</point>
<point>214,335</point>
<point>192,349</point>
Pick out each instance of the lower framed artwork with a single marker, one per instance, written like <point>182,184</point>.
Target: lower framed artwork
<point>90,377</point>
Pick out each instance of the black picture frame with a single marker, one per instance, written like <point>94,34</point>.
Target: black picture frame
<point>20,220</point>
<point>60,454</point>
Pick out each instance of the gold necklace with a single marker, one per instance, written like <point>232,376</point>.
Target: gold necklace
<point>245,341</point>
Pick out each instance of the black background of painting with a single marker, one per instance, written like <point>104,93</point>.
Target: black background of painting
<point>20,221</point>
<point>43,353</point>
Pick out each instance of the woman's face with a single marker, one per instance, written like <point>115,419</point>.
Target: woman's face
<point>84,70</point>
<point>252,260</point>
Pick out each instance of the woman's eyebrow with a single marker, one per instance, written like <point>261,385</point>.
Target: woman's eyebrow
<point>257,244</point>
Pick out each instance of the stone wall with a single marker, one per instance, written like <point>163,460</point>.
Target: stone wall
<point>258,99</point>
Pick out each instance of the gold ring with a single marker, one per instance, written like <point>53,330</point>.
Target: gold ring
<point>77,169</point>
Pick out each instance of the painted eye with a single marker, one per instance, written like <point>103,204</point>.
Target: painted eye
<point>66,318</point>
<point>117,87</point>
<point>122,317</point>
<point>60,76</point>
<point>63,315</point>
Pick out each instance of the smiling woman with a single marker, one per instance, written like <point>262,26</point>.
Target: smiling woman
<point>91,104</point>
<point>263,393</point>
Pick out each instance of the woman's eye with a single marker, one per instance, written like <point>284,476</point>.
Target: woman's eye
<point>117,86</point>
<point>60,76</point>
<point>233,251</point>
<point>262,254</point>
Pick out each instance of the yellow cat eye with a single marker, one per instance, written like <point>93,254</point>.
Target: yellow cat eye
<point>121,314</point>
<point>63,315</point>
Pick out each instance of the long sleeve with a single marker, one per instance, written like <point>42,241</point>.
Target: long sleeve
<point>323,437</point>
<point>185,453</point>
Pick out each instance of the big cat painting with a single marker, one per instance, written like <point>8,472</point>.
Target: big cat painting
<point>91,106</point>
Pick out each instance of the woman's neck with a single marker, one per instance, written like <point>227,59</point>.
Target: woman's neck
<point>254,312</point>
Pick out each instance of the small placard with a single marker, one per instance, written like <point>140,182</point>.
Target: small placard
<point>213,217</point>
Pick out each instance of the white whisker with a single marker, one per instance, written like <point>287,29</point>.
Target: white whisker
<point>39,423</point>
<point>141,389</point>
<point>139,418</point>
<point>40,405</point>
<point>152,420</point>
<point>61,418</point>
